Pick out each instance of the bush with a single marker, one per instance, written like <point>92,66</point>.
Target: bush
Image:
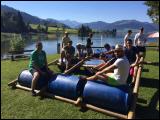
<point>17,43</point>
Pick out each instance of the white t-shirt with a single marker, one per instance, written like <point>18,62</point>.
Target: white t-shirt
<point>122,70</point>
<point>141,38</point>
<point>127,36</point>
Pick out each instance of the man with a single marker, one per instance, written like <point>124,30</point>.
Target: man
<point>69,54</point>
<point>139,41</point>
<point>65,41</point>
<point>127,36</point>
<point>38,65</point>
<point>121,70</point>
<point>131,53</point>
<point>89,44</point>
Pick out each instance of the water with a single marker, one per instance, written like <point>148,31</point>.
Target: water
<point>50,43</point>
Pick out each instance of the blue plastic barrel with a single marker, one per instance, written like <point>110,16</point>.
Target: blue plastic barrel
<point>25,79</point>
<point>68,86</point>
<point>107,97</point>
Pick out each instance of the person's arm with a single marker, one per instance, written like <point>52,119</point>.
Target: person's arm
<point>135,40</point>
<point>109,52</point>
<point>108,69</point>
<point>136,62</point>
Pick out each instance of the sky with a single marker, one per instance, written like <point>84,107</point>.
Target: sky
<point>84,11</point>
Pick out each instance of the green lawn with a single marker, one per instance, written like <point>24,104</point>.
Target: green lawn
<point>18,104</point>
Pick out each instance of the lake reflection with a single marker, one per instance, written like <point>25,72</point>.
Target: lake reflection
<point>50,42</point>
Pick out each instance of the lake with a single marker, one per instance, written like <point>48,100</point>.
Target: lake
<point>50,42</point>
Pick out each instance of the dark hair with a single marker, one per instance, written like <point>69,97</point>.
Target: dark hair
<point>129,40</point>
<point>107,45</point>
<point>90,34</point>
<point>129,31</point>
<point>70,42</point>
<point>142,29</point>
<point>38,43</point>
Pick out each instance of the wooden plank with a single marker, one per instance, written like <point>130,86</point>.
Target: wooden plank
<point>26,88</point>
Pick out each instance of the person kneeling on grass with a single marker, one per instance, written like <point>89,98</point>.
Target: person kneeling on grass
<point>120,66</point>
<point>38,65</point>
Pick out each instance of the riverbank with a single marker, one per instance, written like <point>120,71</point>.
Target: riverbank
<point>16,104</point>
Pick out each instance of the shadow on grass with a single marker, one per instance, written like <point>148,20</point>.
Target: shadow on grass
<point>152,63</point>
<point>150,111</point>
<point>149,82</point>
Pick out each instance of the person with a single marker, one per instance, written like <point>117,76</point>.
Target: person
<point>106,54</point>
<point>131,53</point>
<point>65,41</point>
<point>120,67</point>
<point>127,36</point>
<point>139,41</point>
<point>69,54</point>
<point>89,44</point>
<point>80,51</point>
<point>38,65</point>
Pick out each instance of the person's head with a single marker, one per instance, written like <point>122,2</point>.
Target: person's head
<point>119,51</point>
<point>66,34</point>
<point>107,46</point>
<point>70,43</point>
<point>39,46</point>
<point>129,43</point>
<point>90,35</point>
<point>78,46</point>
<point>129,32</point>
<point>141,30</point>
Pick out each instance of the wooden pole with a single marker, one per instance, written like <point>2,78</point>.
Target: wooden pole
<point>59,98</point>
<point>75,66</point>
<point>53,62</point>
<point>131,113</point>
<point>26,88</point>
<point>13,82</point>
<point>107,112</point>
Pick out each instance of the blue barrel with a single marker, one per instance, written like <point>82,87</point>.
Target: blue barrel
<point>25,79</point>
<point>68,86</point>
<point>107,97</point>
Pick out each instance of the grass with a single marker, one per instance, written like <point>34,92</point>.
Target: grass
<point>54,29</point>
<point>16,104</point>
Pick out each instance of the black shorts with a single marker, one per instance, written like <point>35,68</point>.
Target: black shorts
<point>141,48</point>
<point>43,69</point>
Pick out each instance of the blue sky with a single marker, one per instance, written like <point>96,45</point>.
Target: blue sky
<point>84,11</point>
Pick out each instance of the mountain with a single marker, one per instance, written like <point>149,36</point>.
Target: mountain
<point>121,25</point>
<point>70,23</point>
<point>29,18</point>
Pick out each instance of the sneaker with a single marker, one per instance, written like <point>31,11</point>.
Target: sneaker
<point>34,93</point>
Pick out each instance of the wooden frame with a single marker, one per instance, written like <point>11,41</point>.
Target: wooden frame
<point>78,102</point>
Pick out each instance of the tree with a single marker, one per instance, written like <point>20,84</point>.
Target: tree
<point>153,10</point>
<point>20,23</point>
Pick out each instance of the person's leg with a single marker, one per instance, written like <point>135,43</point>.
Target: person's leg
<point>35,78</point>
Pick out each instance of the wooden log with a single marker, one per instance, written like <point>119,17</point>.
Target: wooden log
<point>53,62</point>
<point>75,66</point>
<point>26,88</point>
<point>13,82</point>
<point>107,112</point>
<point>131,113</point>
